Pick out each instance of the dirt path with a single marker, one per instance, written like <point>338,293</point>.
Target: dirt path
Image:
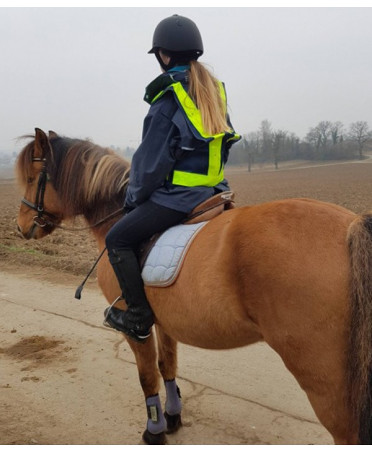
<point>65,379</point>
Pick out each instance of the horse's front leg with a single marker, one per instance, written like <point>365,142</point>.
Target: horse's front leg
<point>167,361</point>
<point>146,359</point>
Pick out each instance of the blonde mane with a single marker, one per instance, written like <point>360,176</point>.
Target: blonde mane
<point>85,175</point>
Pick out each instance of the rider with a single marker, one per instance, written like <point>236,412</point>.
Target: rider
<point>179,163</point>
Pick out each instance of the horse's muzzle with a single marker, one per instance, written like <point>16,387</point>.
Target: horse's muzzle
<point>29,234</point>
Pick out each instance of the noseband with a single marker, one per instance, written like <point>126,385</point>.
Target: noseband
<point>38,206</point>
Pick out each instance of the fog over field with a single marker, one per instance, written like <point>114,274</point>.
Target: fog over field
<point>82,71</point>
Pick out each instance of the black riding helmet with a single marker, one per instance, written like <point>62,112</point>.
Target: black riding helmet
<point>178,37</point>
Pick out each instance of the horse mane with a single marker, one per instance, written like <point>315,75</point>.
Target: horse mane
<point>24,161</point>
<point>90,180</point>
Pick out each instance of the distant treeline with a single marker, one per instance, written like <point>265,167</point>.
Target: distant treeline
<point>326,141</point>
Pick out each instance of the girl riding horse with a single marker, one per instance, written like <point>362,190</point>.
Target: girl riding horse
<point>179,164</point>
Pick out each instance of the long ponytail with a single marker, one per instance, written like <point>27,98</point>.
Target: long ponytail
<point>205,92</point>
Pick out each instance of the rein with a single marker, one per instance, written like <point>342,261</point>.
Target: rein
<point>38,206</point>
<point>100,222</point>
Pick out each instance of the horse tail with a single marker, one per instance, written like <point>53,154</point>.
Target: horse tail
<point>360,347</point>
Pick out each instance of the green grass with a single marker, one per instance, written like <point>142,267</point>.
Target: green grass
<point>13,248</point>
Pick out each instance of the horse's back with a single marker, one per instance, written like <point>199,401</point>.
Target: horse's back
<point>254,264</point>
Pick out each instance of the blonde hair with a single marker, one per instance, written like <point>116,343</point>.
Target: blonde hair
<point>205,92</point>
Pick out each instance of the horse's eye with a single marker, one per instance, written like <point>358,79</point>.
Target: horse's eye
<point>30,180</point>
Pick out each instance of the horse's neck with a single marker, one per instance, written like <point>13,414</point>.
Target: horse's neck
<point>99,237</point>
<point>102,222</point>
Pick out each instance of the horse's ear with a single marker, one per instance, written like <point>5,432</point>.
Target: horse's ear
<point>53,134</point>
<point>42,146</point>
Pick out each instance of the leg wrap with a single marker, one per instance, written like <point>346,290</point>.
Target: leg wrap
<point>173,403</point>
<point>156,423</point>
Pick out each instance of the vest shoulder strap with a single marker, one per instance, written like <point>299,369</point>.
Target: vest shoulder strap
<point>189,107</point>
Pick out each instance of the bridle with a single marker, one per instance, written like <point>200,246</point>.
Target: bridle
<point>38,206</point>
<point>53,220</point>
<point>42,222</point>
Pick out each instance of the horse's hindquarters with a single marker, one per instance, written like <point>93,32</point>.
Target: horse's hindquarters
<point>277,272</point>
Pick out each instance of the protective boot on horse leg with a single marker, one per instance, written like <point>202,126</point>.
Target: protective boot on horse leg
<point>138,319</point>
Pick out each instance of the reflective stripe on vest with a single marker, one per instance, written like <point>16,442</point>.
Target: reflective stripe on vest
<point>215,168</point>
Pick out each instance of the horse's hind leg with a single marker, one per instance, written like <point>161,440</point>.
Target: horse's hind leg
<point>329,401</point>
<point>167,362</point>
<point>146,359</point>
<point>318,361</point>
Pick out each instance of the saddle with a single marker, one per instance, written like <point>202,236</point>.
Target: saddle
<point>211,208</point>
<point>207,210</point>
<point>201,213</point>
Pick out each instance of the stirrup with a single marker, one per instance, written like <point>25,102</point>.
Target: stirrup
<point>133,334</point>
<point>107,311</point>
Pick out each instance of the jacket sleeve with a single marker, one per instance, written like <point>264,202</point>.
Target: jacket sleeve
<point>154,158</point>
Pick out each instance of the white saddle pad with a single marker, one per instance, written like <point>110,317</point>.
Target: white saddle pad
<point>166,257</point>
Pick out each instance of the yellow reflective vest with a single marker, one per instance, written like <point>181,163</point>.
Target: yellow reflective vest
<point>212,144</point>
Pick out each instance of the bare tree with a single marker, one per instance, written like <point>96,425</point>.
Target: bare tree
<point>246,150</point>
<point>278,137</point>
<point>319,136</point>
<point>294,145</point>
<point>327,140</point>
<point>314,138</point>
<point>253,147</point>
<point>360,133</point>
<point>324,128</point>
<point>337,130</point>
<point>266,138</point>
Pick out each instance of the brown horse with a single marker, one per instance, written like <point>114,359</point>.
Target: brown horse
<point>295,273</point>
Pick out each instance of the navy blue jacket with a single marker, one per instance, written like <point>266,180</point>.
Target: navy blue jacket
<point>165,133</point>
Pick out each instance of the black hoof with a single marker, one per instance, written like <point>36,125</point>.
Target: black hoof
<point>174,422</point>
<point>153,439</point>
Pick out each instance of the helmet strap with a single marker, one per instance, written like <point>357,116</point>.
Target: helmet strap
<point>176,59</point>
<point>166,67</point>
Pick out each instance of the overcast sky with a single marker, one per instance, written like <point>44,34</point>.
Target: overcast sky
<point>82,71</point>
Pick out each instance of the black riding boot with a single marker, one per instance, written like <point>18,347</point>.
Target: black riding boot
<point>138,319</point>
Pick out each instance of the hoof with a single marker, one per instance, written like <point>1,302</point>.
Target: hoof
<point>174,422</point>
<point>153,439</point>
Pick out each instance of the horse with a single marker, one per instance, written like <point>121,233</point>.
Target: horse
<point>295,273</point>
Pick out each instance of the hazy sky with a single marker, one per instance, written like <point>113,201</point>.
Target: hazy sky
<point>82,71</point>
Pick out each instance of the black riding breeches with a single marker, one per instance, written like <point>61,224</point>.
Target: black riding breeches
<point>140,224</point>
